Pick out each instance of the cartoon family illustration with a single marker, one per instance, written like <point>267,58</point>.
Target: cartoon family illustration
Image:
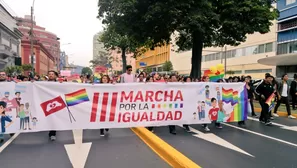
<point>22,112</point>
<point>216,111</point>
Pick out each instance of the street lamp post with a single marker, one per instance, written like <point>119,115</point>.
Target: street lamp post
<point>31,38</point>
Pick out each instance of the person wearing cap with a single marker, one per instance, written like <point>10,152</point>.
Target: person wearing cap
<point>265,89</point>
<point>293,91</point>
<point>283,95</point>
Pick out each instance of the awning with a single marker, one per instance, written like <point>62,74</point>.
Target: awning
<point>284,59</point>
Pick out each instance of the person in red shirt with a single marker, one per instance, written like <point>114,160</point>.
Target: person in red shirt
<point>214,111</point>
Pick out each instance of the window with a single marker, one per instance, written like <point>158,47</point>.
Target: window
<point>258,71</point>
<point>288,2</point>
<point>237,72</point>
<point>261,48</point>
<point>269,47</point>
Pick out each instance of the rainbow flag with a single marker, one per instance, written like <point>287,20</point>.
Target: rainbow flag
<point>77,97</point>
<point>230,96</point>
<point>270,101</point>
<point>240,104</point>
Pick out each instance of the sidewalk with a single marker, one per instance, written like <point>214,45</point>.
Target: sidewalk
<point>281,110</point>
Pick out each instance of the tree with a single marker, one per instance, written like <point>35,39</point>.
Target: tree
<point>101,59</point>
<point>148,70</point>
<point>86,71</point>
<point>167,66</point>
<point>113,40</point>
<point>27,67</point>
<point>198,24</point>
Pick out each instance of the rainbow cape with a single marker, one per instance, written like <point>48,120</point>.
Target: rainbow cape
<point>77,97</point>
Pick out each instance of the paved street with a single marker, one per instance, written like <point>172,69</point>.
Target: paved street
<point>261,145</point>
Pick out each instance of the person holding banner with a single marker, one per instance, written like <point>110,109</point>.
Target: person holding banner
<point>172,130</point>
<point>187,79</point>
<point>104,80</point>
<point>52,77</point>
<point>265,90</point>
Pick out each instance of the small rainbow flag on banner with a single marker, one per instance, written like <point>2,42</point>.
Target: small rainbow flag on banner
<point>240,104</point>
<point>77,97</point>
<point>230,96</point>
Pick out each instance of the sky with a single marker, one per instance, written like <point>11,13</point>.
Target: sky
<point>73,21</point>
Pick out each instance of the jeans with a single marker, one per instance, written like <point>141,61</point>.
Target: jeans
<point>294,99</point>
<point>285,101</point>
<point>22,123</point>
<point>265,115</point>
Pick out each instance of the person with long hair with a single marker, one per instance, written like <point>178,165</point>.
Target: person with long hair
<point>104,80</point>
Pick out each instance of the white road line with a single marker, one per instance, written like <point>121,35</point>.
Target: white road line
<point>262,135</point>
<point>9,141</point>
<point>256,119</point>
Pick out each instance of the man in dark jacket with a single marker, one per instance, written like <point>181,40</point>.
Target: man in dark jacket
<point>293,92</point>
<point>283,95</point>
<point>265,90</point>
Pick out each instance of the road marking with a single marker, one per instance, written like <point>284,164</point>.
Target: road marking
<point>9,141</point>
<point>78,152</point>
<point>291,128</point>
<point>210,137</point>
<point>262,135</point>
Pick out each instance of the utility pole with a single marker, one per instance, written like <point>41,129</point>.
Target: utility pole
<point>225,62</point>
<point>222,48</point>
<point>31,39</point>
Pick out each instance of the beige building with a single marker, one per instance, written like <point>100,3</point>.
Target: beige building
<point>240,60</point>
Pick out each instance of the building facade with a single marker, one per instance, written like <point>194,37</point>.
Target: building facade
<point>240,60</point>
<point>117,63</point>
<point>10,39</point>
<point>154,58</point>
<point>99,52</point>
<point>44,61</point>
<point>63,61</point>
<point>48,39</point>
<point>286,56</point>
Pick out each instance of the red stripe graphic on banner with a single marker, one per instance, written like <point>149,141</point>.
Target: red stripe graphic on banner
<point>104,107</point>
<point>94,107</point>
<point>113,106</point>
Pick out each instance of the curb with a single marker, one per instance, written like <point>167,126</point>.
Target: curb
<point>280,113</point>
<point>169,154</point>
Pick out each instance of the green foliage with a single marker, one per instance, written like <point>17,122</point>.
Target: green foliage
<point>27,67</point>
<point>86,71</point>
<point>148,70</point>
<point>14,70</point>
<point>167,66</point>
<point>230,72</point>
<point>101,59</point>
<point>196,24</point>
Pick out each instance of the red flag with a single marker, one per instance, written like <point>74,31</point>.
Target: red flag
<point>53,105</point>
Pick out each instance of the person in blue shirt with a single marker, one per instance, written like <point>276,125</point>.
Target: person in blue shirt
<point>3,120</point>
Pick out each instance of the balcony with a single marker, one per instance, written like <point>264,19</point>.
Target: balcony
<point>6,51</point>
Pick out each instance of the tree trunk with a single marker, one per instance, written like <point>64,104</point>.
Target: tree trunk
<point>196,54</point>
<point>124,60</point>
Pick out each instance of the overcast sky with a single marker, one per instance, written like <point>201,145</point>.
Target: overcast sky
<point>74,21</point>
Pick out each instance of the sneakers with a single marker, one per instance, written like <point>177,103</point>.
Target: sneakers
<point>291,117</point>
<point>268,123</point>
<point>53,138</point>
<point>187,128</point>
<point>206,129</point>
<point>275,114</point>
<point>102,134</point>
<point>219,126</point>
<point>1,140</point>
<point>173,132</point>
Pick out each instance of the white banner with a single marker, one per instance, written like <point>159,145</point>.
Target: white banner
<point>41,106</point>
